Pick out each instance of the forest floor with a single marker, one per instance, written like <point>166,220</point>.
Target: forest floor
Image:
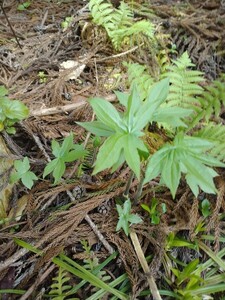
<point>56,218</point>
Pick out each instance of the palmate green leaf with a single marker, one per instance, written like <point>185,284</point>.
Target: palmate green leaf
<point>122,97</point>
<point>171,116</point>
<point>156,97</point>
<point>97,128</point>
<point>109,153</point>
<point>177,157</point>
<point>107,114</point>
<point>125,217</point>
<point>131,145</point>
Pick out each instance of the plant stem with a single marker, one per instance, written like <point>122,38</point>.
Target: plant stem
<point>151,281</point>
<point>130,179</point>
<point>139,190</point>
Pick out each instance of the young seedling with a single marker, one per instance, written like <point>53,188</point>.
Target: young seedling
<point>67,152</point>
<point>23,6</point>
<point>124,131</point>
<point>23,173</point>
<point>153,211</point>
<point>126,218</point>
<point>205,208</point>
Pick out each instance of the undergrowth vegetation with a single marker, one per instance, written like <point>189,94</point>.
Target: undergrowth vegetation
<point>169,132</point>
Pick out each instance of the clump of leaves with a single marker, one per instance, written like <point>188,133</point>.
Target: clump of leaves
<point>153,211</point>
<point>23,173</point>
<point>67,23</point>
<point>123,131</point>
<point>24,6</point>
<point>11,111</point>
<point>65,153</point>
<point>186,155</point>
<point>119,23</point>
<point>126,218</point>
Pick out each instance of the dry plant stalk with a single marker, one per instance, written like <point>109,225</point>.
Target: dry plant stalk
<point>145,267</point>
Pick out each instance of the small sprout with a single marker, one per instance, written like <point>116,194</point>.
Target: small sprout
<point>23,173</point>
<point>205,208</point>
<point>67,152</point>
<point>126,218</point>
<point>23,6</point>
<point>153,212</point>
<point>66,23</point>
<point>42,77</point>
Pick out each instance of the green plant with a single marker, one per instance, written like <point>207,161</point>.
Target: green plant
<point>119,23</point>
<point>197,280</point>
<point>23,6</point>
<point>42,77</point>
<point>75,269</point>
<point>11,111</point>
<point>65,153</point>
<point>67,22</point>
<point>23,173</point>
<point>153,211</point>
<point>126,218</point>
<point>184,155</point>
<point>124,131</point>
<point>187,280</point>
<point>139,77</point>
<point>60,286</point>
<point>205,208</point>
<point>214,133</point>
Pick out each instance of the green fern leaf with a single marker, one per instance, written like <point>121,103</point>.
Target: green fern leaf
<point>139,77</point>
<point>216,135</point>
<point>119,23</point>
<point>184,84</point>
<point>59,288</point>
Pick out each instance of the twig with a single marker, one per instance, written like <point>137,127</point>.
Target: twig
<point>94,227</point>
<point>4,13</point>
<point>120,54</point>
<point>98,233</point>
<point>8,262</point>
<point>145,267</point>
<point>66,108</point>
<point>38,282</point>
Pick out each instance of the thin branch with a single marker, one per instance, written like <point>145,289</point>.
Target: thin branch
<point>4,13</point>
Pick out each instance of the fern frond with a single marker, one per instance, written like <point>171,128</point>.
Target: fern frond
<point>216,135</point>
<point>101,11</point>
<point>142,9</point>
<point>138,76</point>
<point>123,16</point>
<point>119,23</point>
<point>184,84</point>
<point>211,101</point>
<point>213,98</point>
<point>59,288</point>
